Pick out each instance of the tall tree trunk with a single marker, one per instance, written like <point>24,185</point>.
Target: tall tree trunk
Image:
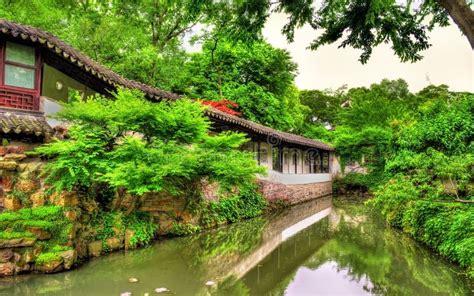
<point>462,15</point>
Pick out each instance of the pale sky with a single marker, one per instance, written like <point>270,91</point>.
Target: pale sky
<point>450,60</point>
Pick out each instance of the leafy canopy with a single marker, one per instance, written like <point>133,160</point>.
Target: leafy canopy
<point>258,77</point>
<point>360,24</point>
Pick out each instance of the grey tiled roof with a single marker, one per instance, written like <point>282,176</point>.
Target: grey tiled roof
<point>12,122</point>
<point>74,56</point>
<point>273,136</point>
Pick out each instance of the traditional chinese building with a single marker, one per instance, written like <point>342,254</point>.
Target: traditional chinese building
<point>38,73</point>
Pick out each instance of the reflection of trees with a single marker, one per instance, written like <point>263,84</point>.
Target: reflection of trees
<point>234,240</point>
<point>419,268</point>
<point>231,287</point>
<point>394,263</point>
<point>359,244</point>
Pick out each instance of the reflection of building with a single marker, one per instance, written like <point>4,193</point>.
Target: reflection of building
<point>278,229</point>
<point>39,73</point>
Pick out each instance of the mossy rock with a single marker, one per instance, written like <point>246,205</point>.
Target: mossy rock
<point>95,248</point>
<point>16,239</point>
<point>49,263</point>
<point>69,258</point>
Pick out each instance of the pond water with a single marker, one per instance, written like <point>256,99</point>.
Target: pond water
<point>313,248</point>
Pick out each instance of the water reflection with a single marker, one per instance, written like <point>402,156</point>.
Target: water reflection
<point>311,249</point>
<point>350,253</point>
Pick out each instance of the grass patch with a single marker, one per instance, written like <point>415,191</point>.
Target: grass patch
<point>49,218</point>
<point>14,234</point>
<point>47,257</point>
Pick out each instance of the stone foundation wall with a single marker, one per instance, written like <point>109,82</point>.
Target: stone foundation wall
<point>19,178</point>
<point>294,194</point>
<point>167,209</point>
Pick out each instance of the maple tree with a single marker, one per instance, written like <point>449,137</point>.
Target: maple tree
<point>226,106</point>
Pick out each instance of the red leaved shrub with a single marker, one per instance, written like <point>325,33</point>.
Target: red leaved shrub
<point>226,106</point>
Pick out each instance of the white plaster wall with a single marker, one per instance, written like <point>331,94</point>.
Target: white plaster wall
<point>334,165</point>
<point>288,166</point>
<point>297,178</point>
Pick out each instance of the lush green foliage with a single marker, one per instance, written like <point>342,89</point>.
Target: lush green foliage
<point>49,218</point>
<point>433,165</point>
<point>258,77</point>
<point>47,257</point>
<point>116,223</point>
<point>418,149</point>
<point>362,120</point>
<point>180,229</point>
<point>40,213</point>
<point>13,235</point>
<point>247,204</point>
<point>54,254</point>
<point>143,227</point>
<point>163,146</point>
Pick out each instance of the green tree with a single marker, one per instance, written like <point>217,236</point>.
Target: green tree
<point>163,147</point>
<point>140,40</point>
<point>256,76</point>
<point>364,119</point>
<point>324,105</point>
<point>361,24</point>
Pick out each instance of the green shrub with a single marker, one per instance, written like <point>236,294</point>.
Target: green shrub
<point>50,218</point>
<point>46,225</point>
<point>143,227</point>
<point>58,248</point>
<point>47,213</point>
<point>47,257</point>
<point>107,223</point>
<point>175,148</point>
<point>112,224</point>
<point>248,203</point>
<point>181,229</point>
<point>13,234</point>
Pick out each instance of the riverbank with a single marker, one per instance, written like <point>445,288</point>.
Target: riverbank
<point>63,235</point>
<point>444,228</point>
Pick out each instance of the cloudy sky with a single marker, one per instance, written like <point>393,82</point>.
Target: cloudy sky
<point>449,61</point>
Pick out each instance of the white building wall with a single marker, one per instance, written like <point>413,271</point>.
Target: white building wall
<point>297,178</point>
<point>288,167</point>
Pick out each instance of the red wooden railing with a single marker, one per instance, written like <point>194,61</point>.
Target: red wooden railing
<point>19,99</point>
